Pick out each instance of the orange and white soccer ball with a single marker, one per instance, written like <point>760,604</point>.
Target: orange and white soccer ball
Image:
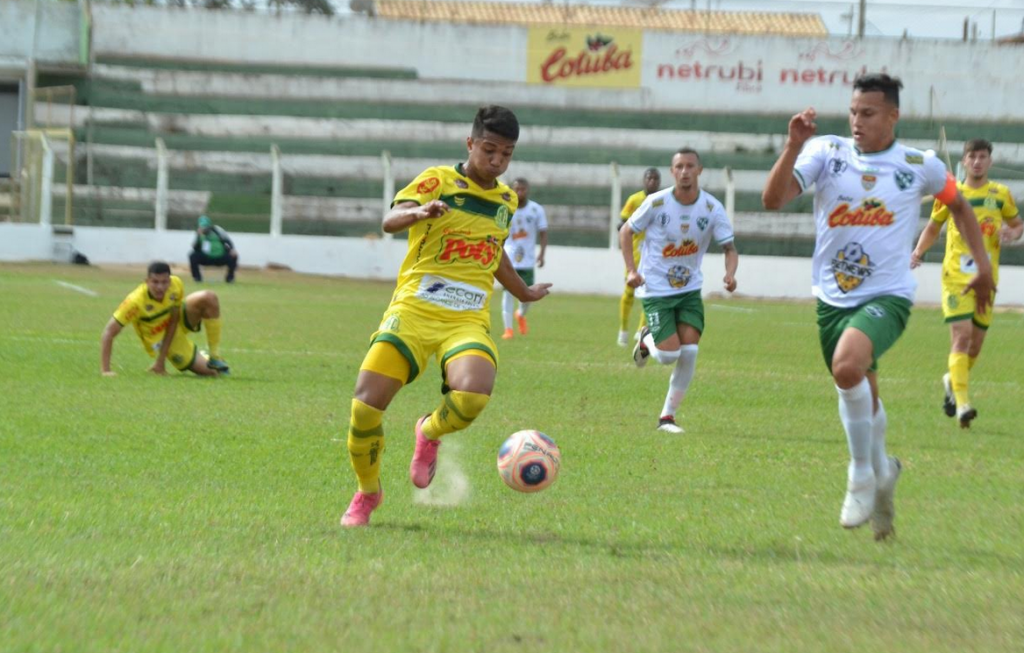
<point>529,461</point>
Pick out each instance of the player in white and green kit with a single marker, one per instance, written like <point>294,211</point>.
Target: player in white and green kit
<point>527,229</point>
<point>678,224</point>
<point>867,201</point>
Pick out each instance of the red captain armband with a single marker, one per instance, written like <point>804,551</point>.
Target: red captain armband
<point>948,192</point>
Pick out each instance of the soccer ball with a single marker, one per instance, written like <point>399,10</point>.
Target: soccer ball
<point>529,461</point>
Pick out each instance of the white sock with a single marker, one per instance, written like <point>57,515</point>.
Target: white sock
<point>665,357</point>
<point>508,303</point>
<point>679,382</point>
<point>879,459</point>
<point>855,413</point>
<point>523,307</point>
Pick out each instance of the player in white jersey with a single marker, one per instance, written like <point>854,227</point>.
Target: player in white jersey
<point>528,227</point>
<point>867,203</point>
<point>678,224</point>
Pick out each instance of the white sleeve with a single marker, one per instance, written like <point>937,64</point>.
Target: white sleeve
<point>811,162</point>
<point>542,219</point>
<point>722,229</point>
<point>642,217</point>
<point>934,173</point>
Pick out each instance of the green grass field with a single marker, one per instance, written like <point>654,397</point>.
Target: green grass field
<point>140,513</point>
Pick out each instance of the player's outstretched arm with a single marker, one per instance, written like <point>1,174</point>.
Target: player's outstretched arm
<point>982,284</point>
<point>782,187</point>
<point>732,261</point>
<point>924,243</point>
<point>406,214</point>
<point>507,277</point>
<point>107,346</point>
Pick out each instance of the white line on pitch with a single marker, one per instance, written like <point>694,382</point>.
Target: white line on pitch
<point>71,286</point>
<point>738,309</point>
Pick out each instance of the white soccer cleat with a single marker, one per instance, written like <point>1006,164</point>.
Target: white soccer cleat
<point>858,505</point>
<point>668,424</point>
<point>640,353</point>
<point>623,338</point>
<point>885,509</point>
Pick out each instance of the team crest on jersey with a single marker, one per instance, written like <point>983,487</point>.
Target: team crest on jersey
<point>501,218</point>
<point>679,276</point>
<point>702,222</point>
<point>461,183</point>
<point>662,218</point>
<point>428,185</point>
<point>904,179</point>
<point>851,267</point>
<point>685,228</point>
<point>836,166</point>
<point>391,323</point>
<point>952,301</point>
<point>506,197</point>
<point>868,181</point>
<point>990,203</point>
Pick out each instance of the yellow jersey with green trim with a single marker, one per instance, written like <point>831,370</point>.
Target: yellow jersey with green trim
<point>448,272</point>
<point>150,317</point>
<point>633,203</point>
<point>992,203</point>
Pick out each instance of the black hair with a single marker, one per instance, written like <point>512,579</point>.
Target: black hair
<point>881,82</point>
<point>652,171</point>
<point>497,120</point>
<point>689,150</point>
<point>976,144</point>
<point>158,267</point>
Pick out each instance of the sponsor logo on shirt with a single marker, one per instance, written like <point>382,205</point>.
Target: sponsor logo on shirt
<point>836,166</point>
<point>851,266</point>
<point>451,295</point>
<point>686,248</point>
<point>657,203</point>
<point>391,323</point>
<point>915,159</point>
<point>871,213</point>
<point>868,181</point>
<point>428,185</point>
<point>988,225</point>
<point>904,179</point>
<point>506,197</point>
<point>522,233</point>
<point>679,276</point>
<point>481,252</point>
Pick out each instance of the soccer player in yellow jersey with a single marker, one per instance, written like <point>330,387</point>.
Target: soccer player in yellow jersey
<point>1000,222</point>
<point>458,218</point>
<point>652,182</point>
<point>155,309</point>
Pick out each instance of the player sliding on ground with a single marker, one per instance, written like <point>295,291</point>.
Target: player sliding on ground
<point>999,221</point>
<point>678,225</point>
<point>868,192</point>
<point>155,309</point>
<point>458,218</point>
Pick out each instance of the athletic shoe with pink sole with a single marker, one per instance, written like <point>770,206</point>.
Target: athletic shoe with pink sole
<point>424,459</point>
<point>363,503</point>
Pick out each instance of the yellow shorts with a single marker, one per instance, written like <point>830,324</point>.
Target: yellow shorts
<point>418,336</point>
<point>183,351</point>
<point>956,307</point>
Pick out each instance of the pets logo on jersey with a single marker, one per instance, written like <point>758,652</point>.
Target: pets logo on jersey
<point>679,276</point>
<point>851,266</point>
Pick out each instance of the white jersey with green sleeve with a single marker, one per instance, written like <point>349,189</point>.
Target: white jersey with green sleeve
<point>676,238</point>
<point>866,212</point>
<point>526,225</point>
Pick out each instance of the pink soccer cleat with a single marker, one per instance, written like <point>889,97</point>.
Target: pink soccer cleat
<point>424,459</point>
<point>363,503</point>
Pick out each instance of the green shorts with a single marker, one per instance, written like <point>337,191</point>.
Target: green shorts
<point>882,320</point>
<point>664,313</point>
<point>526,275</point>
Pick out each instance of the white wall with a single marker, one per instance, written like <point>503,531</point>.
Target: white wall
<point>43,30</point>
<point>570,269</point>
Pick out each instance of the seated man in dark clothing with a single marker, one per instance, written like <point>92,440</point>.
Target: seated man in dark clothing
<point>212,246</point>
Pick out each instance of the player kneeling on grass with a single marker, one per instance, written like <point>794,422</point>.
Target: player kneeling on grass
<point>679,224</point>
<point>458,218</point>
<point>155,309</point>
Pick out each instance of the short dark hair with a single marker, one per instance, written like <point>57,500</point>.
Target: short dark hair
<point>158,267</point>
<point>688,150</point>
<point>652,171</point>
<point>521,181</point>
<point>497,120</point>
<point>976,144</point>
<point>882,82</point>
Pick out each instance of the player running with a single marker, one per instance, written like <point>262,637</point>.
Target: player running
<point>528,228</point>
<point>652,182</point>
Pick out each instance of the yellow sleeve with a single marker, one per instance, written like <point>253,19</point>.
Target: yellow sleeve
<point>129,310</point>
<point>940,212</point>
<point>1009,206</point>
<point>178,290</point>
<point>630,207</point>
<point>422,189</point>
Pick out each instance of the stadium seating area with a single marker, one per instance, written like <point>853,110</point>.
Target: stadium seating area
<point>219,121</point>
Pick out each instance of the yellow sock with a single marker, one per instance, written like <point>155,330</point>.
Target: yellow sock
<point>213,326</point>
<point>959,371</point>
<point>971,361</point>
<point>625,306</point>
<point>456,412</point>
<point>366,445</point>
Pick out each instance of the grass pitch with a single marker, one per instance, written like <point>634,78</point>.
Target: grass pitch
<point>173,514</point>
